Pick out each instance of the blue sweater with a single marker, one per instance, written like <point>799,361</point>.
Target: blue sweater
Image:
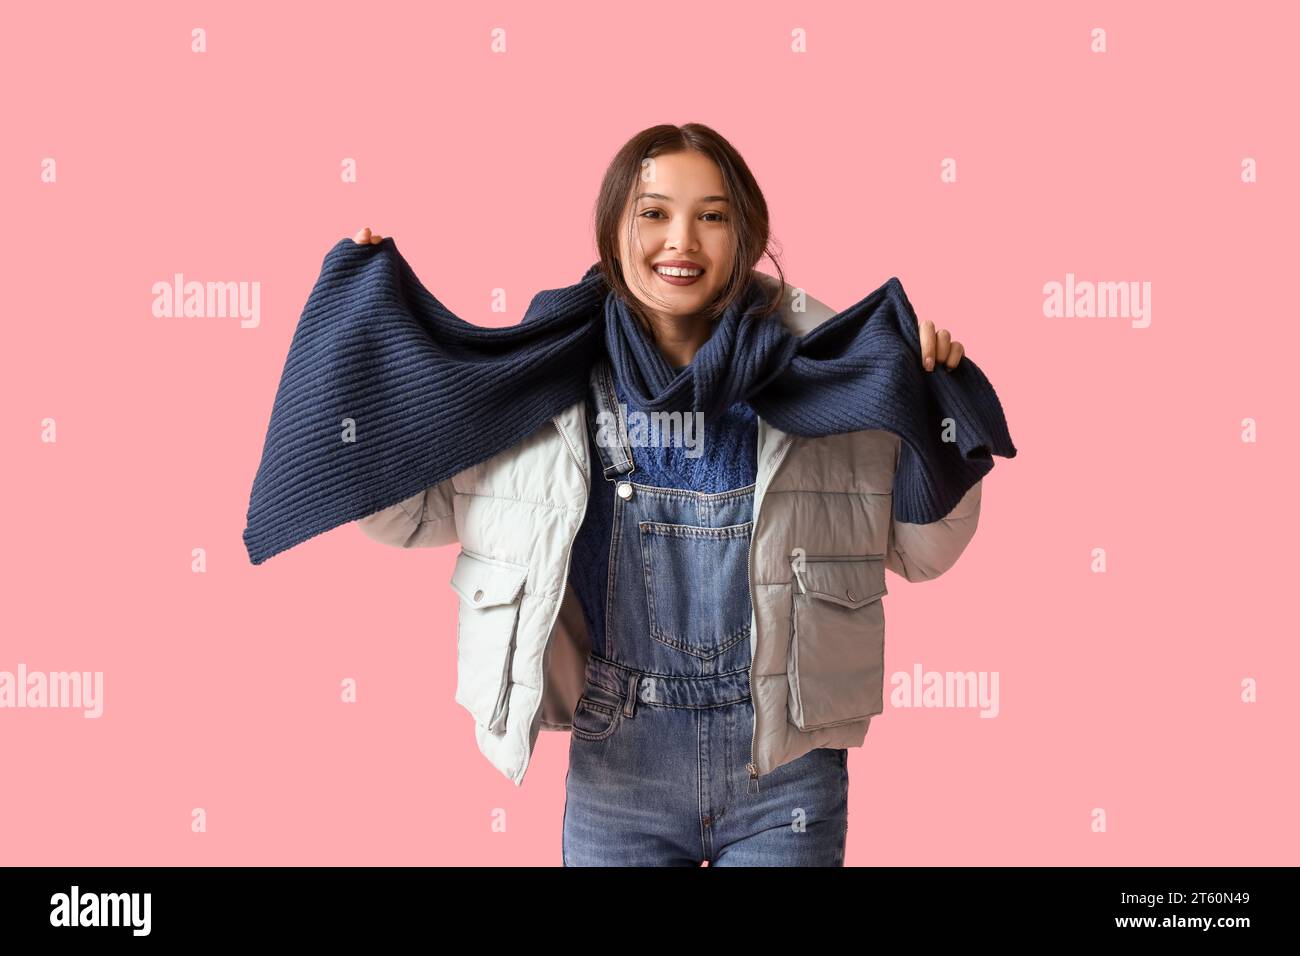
<point>729,461</point>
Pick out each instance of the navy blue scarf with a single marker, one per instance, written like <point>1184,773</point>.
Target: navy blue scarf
<point>385,392</point>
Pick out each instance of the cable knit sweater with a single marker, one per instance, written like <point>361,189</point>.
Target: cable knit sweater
<point>729,461</point>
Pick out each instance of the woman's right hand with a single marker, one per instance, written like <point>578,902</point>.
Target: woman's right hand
<point>365,235</point>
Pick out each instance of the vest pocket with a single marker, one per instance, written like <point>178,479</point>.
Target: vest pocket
<point>836,666</point>
<point>490,594</point>
<point>692,598</point>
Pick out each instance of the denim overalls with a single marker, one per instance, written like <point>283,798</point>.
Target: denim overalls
<point>661,741</point>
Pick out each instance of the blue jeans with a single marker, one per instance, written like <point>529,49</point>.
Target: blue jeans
<point>668,787</point>
<point>662,736</point>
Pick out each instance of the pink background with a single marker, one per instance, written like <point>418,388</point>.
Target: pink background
<point>1119,691</point>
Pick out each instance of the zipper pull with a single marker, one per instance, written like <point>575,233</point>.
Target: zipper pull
<point>753,778</point>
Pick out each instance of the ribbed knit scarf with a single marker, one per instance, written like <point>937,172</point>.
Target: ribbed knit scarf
<point>385,392</point>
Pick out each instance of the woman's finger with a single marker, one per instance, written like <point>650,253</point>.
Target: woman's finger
<point>927,344</point>
<point>943,339</point>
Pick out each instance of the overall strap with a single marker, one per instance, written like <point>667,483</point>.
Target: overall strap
<point>608,426</point>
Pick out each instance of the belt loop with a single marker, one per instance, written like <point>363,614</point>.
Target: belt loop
<point>629,705</point>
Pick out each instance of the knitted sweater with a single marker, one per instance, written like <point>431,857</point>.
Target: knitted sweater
<point>729,461</point>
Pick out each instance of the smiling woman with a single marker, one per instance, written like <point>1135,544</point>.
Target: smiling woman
<point>681,220</point>
<point>644,595</point>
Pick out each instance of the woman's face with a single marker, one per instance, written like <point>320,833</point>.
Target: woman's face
<point>679,216</point>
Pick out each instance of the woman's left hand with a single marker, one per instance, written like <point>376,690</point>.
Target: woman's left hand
<point>939,346</point>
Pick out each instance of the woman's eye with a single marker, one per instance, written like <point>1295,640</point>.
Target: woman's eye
<point>657,214</point>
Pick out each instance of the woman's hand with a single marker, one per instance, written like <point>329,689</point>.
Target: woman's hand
<point>939,345</point>
<point>364,236</point>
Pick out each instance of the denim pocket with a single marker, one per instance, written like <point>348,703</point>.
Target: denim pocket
<point>692,575</point>
<point>597,714</point>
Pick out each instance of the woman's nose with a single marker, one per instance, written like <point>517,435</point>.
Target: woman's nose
<point>682,239</point>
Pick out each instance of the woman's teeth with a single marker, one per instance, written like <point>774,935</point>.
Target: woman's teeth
<point>675,275</point>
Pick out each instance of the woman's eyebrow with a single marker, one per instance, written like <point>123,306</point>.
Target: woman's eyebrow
<point>669,198</point>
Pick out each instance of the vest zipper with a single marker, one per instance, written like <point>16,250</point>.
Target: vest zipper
<point>749,578</point>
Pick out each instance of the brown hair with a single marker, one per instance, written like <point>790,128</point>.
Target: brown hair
<point>747,211</point>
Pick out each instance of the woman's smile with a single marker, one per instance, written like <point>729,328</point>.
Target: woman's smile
<point>678,271</point>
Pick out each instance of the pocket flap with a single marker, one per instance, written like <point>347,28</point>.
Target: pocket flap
<point>484,582</point>
<point>851,580</point>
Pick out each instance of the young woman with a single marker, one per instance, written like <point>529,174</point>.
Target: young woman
<point>665,750</point>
